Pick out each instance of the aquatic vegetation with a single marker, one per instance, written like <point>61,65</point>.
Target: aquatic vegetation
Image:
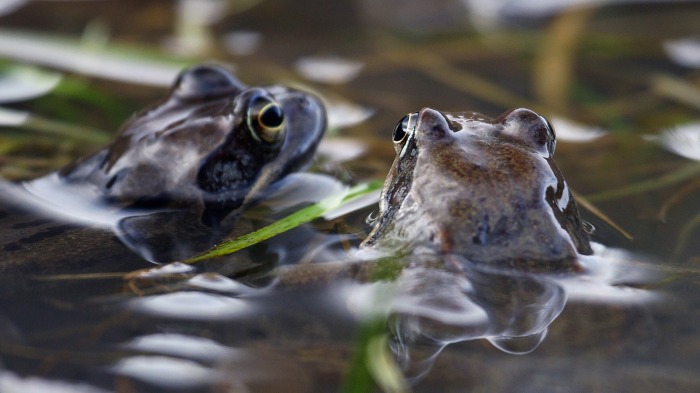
<point>291,221</point>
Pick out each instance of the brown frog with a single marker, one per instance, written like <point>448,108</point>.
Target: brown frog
<point>174,181</point>
<point>485,189</point>
<point>213,141</point>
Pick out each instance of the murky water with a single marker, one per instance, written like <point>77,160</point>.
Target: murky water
<point>619,82</point>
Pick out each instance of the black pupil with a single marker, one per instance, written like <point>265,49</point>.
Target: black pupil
<point>400,129</point>
<point>272,116</point>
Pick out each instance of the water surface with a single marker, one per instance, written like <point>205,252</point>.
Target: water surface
<point>618,81</point>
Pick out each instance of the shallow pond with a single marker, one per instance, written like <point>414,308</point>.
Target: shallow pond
<point>619,82</point>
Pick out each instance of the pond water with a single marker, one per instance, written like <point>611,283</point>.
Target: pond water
<point>618,80</point>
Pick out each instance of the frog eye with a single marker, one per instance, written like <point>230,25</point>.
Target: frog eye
<point>265,119</point>
<point>401,130</point>
<point>205,81</point>
<point>404,127</point>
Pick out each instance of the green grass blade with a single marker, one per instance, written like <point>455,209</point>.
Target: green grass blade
<point>291,221</point>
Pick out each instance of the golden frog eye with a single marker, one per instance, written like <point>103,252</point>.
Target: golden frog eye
<point>266,120</point>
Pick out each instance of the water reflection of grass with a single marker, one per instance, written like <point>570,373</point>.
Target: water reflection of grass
<point>373,364</point>
<point>684,173</point>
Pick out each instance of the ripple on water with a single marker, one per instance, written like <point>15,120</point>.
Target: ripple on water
<point>11,382</point>
<point>165,371</point>
<point>191,347</point>
<point>191,305</point>
<point>167,269</point>
<point>218,283</point>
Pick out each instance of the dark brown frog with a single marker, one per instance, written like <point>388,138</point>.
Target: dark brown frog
<point>174,180</point>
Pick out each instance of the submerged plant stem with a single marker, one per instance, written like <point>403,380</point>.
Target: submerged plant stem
<point>383,367</point>
<point>359,378</point>
<point>686,172</point>
<point>585,203</point>
<point>684,237</point>
<point>554,63</point>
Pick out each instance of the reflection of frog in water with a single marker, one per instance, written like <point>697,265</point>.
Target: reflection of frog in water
<point>198,159</point>
<point>487,190</point>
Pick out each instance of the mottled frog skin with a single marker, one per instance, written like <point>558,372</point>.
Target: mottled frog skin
<point>186,168</point>
<point>485,189</point>
<point>212,141</point>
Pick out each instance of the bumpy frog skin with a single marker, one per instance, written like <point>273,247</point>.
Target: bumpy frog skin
<point>485,189</point>
<point>212,141</point>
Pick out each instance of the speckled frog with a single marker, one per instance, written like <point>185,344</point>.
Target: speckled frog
<point>173,182</point>
<point>485,189</point>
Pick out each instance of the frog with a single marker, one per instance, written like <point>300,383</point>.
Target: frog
<point>485,189</point>
<point>213,142</point>
<point>181,171</point>
<point>483,225</point>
